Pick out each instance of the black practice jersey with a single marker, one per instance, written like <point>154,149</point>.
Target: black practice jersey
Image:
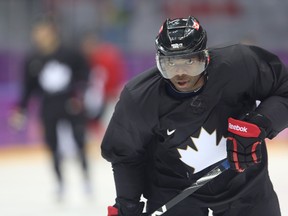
<point>159,143</point>
<point>55,77</point>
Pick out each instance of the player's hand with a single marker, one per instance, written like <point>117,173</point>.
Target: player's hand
<point>17,119</point>
<point>75,105</point>
<point>244,144</point>
<point>126,209</point>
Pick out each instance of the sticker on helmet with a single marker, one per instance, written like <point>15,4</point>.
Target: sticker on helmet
<point>177,45</point>
<point>161,29</point>
<point>196,25</point>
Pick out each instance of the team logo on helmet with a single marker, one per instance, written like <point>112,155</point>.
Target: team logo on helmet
<point>161,29</point>
<point>196,25</point>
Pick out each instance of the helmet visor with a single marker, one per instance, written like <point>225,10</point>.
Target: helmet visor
<point>191,64</point>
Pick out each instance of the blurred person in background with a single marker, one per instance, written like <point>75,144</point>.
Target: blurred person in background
<point>58,77</point>
<point>178,120</point>
<point>107,77</point>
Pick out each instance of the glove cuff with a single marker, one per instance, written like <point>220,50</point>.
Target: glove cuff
<point>260,120</point>
<point>129,208</point>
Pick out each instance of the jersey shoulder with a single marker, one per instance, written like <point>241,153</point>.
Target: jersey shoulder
<point>230,52</point>
<point>239,52</point>
<point>142,79</point>
<point>144,84</point>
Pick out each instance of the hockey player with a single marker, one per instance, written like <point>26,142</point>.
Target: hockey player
<point>175,121</point>
<point>59,76</point>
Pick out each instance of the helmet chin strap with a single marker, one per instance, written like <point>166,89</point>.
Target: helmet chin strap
<point>203,75</point>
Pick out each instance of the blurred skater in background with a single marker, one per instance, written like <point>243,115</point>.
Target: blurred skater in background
<point>107,77</point>
<point>59,76</point>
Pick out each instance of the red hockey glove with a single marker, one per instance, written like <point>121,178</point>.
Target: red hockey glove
<point>244,144</point>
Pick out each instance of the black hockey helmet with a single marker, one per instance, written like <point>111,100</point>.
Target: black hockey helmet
<point>181,43</point>
<point>180,36</point>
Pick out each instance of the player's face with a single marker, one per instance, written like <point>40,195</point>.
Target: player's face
<point>186,83</point>
<point>44,36</point>
<point>191,64</point>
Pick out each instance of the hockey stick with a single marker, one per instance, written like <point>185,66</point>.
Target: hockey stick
<point>194,187</point>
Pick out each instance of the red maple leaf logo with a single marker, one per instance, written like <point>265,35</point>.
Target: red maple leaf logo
<point>196,25</point>
<point>161,29</point>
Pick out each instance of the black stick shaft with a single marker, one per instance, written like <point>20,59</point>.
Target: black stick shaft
<point>194,187</point>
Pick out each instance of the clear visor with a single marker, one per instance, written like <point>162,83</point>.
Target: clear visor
<point>191,64</point>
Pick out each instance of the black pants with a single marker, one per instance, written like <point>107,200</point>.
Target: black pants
<point>261,201</point>
<point>78,124</point>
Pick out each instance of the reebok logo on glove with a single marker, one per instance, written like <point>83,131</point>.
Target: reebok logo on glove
<point>242,128</point>
<point>238,128</point>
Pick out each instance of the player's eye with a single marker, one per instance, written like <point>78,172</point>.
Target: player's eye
<point>189,61</point>
<point>171,62</point>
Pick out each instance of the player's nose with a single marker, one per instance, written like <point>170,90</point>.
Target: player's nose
<point>180,71</point>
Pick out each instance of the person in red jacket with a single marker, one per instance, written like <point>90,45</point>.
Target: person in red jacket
<point>108,73</point>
